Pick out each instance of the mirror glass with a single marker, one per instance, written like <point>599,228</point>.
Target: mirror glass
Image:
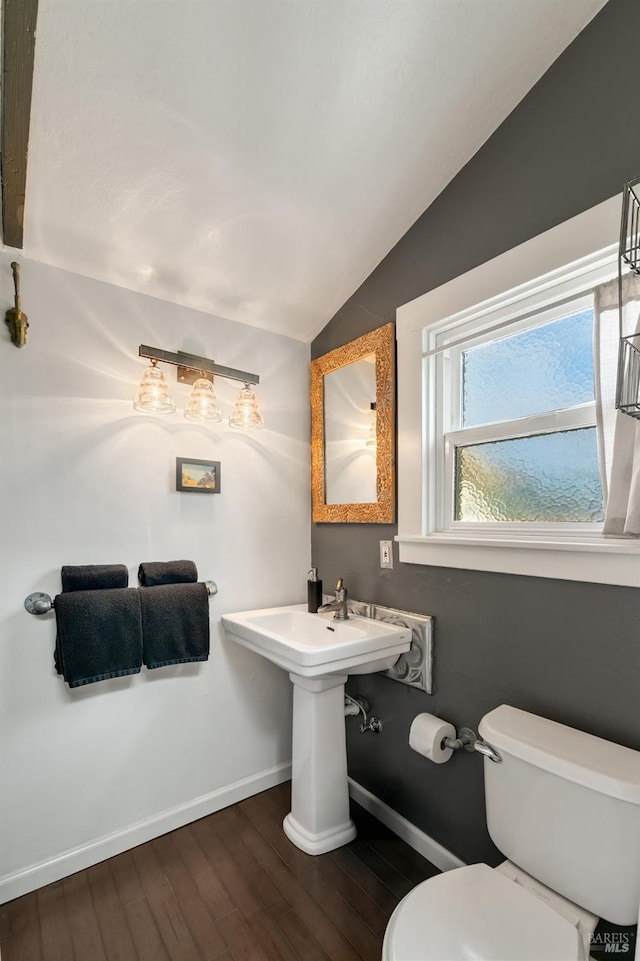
<point>352,394</point>
<point>349,433</point>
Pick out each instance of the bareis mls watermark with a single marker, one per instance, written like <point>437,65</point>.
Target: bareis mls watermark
<point>611,943</point>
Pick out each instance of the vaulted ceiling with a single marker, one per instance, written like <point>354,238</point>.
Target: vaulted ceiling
<point>256,159</point>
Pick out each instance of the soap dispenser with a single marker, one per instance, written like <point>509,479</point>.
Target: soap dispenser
<point>314,591</point>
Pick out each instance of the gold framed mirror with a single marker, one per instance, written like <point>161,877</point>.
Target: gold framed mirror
<point>353,431</point>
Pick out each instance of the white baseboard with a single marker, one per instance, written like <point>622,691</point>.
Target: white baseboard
<point>425,845</point>
<point>21,882</point>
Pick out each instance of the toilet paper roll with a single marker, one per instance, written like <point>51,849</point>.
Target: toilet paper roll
<point>426,735</point>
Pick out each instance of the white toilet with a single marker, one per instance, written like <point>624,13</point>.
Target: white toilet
<point>564,807</point>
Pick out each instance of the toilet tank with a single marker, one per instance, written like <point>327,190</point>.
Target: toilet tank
<point>565,807</point>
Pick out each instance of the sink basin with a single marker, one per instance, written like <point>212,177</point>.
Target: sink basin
<point>319,652</point>
<point>314,645</point>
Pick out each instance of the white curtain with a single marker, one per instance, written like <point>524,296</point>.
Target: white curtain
<point>618,433</point>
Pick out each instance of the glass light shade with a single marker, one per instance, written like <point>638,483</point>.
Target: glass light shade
<point>245,415</point>
<point>202,404</point>
<point>153,396</point>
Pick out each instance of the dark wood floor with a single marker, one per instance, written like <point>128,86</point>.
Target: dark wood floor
<point>229,887</point>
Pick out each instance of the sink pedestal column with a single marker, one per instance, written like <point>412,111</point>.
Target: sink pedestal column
<point>319,819</point>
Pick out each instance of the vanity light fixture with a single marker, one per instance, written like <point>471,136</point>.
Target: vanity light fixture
<point>153,396</point>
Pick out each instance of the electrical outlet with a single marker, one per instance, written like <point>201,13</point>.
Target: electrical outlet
<point>386,554</point>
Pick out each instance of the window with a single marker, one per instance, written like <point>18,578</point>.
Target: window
<point>517,439</point>
<point>498,454</point>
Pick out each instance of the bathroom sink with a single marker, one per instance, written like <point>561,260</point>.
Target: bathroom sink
<point>311,645</point>
<point>318,652</point>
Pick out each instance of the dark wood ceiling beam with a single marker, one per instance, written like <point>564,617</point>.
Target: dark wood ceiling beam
<point>19,38</point>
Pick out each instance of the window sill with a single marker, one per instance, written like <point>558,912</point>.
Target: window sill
<point>600,560</point>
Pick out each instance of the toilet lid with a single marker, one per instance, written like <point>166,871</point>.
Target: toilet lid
<point>475,913</point>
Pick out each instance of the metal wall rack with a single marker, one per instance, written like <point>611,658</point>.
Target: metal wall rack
<point>628,381</point>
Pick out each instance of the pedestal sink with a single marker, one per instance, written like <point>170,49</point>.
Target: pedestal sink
<point>319,653</point>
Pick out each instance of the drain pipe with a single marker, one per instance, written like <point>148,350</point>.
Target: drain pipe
<point>357,705</point>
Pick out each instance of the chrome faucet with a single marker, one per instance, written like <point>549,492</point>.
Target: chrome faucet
<point>339,605</point>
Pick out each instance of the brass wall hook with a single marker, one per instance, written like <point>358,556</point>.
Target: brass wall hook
<point>15,319</point>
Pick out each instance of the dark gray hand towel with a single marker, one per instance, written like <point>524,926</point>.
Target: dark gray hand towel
<point>99,634</point>
<point>94,577</point>
<point>89,577</point>
<point>175,624</point>
<point>155,573</point>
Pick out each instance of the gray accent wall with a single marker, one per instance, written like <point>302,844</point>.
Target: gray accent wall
<point>567,650</point>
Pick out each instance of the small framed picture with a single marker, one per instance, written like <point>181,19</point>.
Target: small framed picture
<point>197,476</point>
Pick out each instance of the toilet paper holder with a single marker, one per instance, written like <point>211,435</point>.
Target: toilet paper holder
<point>470,741</point>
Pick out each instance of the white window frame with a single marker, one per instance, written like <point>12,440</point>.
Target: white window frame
<point>557,267</point>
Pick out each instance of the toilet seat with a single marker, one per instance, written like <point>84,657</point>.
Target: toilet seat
<point>475,913</point>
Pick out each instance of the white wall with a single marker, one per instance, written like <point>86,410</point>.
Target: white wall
<point>85,479</point>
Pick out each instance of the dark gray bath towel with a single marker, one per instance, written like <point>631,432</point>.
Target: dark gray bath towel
<point>175,624</point>
<point>94,577</point>
<point>99,634</point>
<point>155,573</point>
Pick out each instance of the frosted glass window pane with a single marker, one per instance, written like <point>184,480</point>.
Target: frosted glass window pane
<point>546,368</point>
<point>546,477</point>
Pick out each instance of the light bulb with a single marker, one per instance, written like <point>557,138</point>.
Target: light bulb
<point>372,439</point>
<point>202,404</point>
<point>153,396</point>
<point>246,415</point>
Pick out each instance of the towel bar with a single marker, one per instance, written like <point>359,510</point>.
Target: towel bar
<point>39,603</point>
